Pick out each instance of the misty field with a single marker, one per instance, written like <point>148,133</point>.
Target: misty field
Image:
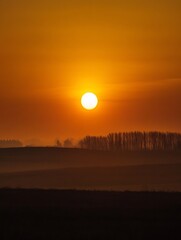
<point>53,214</point>
<point>87,169</point>
<point>36,200</point>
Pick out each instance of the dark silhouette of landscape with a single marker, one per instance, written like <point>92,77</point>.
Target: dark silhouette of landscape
<point>124,161</point>
<point>125,185</point>
<point>134,141</point>
<point>52,214</point>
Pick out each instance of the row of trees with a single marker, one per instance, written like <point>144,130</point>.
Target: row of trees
<point>133,141</point>
<point>10,143</point>
<point>67,143</point>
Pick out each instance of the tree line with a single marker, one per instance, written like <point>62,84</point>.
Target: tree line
<point>133,141</point>
<point>10,143</point>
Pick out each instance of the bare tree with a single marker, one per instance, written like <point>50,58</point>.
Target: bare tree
<point>10,143</point>
<point>133,141</point>
<point>58,143</point>
<point>68,143</point>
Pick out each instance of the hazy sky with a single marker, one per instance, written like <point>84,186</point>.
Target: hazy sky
<point>51,52</point>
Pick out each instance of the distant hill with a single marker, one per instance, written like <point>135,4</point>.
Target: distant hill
<point>42,158</point>
<point>85,169</point>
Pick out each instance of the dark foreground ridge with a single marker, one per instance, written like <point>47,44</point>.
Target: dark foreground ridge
<point>68,214</point>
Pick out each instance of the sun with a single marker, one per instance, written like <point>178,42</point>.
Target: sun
<point>89,101</point>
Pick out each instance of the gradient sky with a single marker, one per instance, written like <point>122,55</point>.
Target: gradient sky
<point>51,52</point>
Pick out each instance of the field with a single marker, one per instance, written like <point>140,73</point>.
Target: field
<point>67,214</point>
<point>60,168</point>
<point>116,195</point>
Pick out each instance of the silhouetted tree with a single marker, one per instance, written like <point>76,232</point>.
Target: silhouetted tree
<point>10,143</point>
<point>133,141</point>
<point>68,143</point>
<point>58,143</point>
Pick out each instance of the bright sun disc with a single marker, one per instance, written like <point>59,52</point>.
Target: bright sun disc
<point>89,101</point>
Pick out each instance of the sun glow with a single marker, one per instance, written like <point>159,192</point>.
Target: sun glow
<point>89,101</point>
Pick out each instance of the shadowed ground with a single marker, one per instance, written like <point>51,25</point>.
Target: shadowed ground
<point>51,214</point>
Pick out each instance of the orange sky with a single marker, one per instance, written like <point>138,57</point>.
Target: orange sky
<point>51,52</point>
